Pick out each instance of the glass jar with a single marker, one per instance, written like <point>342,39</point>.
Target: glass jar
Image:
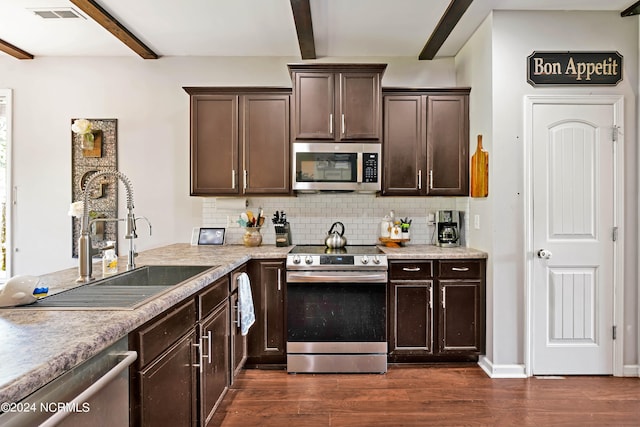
<point>252,237</point>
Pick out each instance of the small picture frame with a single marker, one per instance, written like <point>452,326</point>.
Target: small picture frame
<point>208,236</point>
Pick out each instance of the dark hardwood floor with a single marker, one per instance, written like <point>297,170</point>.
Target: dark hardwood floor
<point>426,395</point>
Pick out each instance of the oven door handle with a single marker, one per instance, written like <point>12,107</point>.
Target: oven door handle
<point>343,277</point>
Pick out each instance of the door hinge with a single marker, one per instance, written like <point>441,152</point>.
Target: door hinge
<point>614,234</point>
<point>615,131</point>
<point>614,332</point>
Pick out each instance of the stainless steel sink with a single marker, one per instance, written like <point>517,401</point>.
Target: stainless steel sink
<point>124,291</point>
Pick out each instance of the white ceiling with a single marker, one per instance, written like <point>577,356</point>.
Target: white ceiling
<point>342,28</point>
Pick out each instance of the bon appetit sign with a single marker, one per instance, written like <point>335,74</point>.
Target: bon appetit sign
<point>574,68</point>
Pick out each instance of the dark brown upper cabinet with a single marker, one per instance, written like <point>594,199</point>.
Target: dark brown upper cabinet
<point>426,142</point>
<point>239,141</point>
<point>337,102</point>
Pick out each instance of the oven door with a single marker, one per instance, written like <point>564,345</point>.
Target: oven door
<point>336,307</point>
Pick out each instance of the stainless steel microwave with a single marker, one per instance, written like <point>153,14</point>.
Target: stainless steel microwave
<point>328,166</point>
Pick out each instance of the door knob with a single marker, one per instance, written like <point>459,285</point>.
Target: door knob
<point>544,254</point>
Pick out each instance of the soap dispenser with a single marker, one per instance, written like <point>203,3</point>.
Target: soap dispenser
<point>110,260</point>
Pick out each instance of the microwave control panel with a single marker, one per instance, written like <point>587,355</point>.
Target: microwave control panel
<point>370,167</point>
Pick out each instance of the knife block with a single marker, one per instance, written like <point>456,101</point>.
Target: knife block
<point>283,234</point>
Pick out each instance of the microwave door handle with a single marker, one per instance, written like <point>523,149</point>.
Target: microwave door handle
<point>359,168</point>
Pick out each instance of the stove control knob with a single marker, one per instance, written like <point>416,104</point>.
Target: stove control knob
<point>376,259</point>
<point>364,259</point>
<point>296,259</point>
<point>308,260</point>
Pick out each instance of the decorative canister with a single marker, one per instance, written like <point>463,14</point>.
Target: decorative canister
<point>385,227</point>
<point>252,237</point>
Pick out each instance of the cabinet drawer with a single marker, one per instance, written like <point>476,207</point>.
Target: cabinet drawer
<point>410,270</point>
<point>463,269</point>
<point>213,295</point>
<point>159,334</point>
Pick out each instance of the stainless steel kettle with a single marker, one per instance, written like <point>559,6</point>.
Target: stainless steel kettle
<point>334,239</point>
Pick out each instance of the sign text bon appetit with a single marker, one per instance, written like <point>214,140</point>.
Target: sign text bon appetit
<point>574,68</point>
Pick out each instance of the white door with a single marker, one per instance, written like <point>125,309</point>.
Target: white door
<point>573,219</point>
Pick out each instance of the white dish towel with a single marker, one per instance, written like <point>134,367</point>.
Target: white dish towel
<point>245,303</point>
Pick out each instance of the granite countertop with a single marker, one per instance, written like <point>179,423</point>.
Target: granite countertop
<point>40,345</point>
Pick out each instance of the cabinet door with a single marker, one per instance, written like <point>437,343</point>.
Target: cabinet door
<point>266,338</point>
<point>214,145</point>
<point>167,388</point>
<point>360,106</point>
<point>404,149</point>
<point>265,144</point>
<point>448,145</point>
<point>313,116</point>
<point>214,366</point>
<point>460,320</point>
<point>410,330</point>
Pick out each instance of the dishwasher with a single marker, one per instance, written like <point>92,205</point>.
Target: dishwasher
<point>94,393</point>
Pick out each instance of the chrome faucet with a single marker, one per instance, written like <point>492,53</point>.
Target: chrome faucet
<point>85,265</point>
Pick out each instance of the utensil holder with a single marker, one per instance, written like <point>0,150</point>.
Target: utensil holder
<point>252,237</point>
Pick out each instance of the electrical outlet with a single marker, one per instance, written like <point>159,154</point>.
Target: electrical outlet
<point>431,218</point>
<point>231,222</point>
<point>476,222</point>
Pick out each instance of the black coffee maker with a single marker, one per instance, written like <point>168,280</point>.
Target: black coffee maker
<point>448,224</point>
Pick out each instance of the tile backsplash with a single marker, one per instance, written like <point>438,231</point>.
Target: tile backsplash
<point>311,216</point>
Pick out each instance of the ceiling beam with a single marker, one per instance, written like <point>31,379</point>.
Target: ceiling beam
<point>304,28</point>
<point>111,24</point>
<point>447,23</point>
<point>634,9</point>
<point>14,51</point>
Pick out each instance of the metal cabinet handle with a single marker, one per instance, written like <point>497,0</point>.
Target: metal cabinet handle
<point>431,179</point>
<point>330,122</point>
<point>208,338</point>
<point>420,179</point>
<point>343,124</point>
<point>237,320</point>
<point>444,297</point>
<point>411,269</point>
<point>233,179</point>
<point>431,298</point>
<point>244,183</point>
<point>460,268</point>
<point>279,280</point>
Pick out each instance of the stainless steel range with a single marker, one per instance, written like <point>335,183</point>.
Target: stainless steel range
<point>336,310</point>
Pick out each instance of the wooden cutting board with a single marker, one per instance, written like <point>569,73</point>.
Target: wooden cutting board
<point>480,171</point>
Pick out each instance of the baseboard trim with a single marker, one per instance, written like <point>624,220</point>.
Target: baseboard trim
<point>631,371</point>
<point>501,371</point>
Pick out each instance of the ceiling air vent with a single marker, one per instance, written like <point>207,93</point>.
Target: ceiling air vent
<point>58,13</point>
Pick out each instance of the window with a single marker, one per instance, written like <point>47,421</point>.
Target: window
<point>5,184</point>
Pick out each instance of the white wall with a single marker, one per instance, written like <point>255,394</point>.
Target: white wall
<point>514,36</point>
<point>474,69</point>
<point>153,136</point>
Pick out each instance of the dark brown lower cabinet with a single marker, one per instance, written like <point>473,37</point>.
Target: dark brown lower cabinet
<point>183,366</point>
<point>168,387</point>
<point>214,366</point>
<point>266,342</point>
<point>460,324</point>
<point>436,310</point>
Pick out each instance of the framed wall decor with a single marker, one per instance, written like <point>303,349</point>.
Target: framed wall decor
<point>88,156</point>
